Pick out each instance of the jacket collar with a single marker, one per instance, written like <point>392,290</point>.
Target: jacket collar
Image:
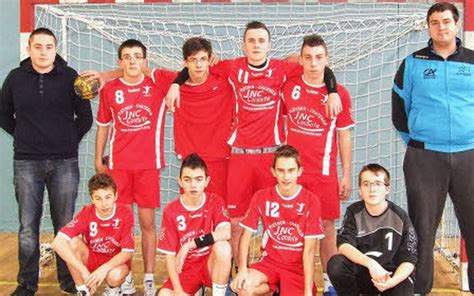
<point>59,65</point>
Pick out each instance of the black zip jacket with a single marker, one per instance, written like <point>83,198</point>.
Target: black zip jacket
<point>43,114</point>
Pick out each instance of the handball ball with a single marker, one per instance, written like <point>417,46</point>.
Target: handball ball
<point>86,89</point>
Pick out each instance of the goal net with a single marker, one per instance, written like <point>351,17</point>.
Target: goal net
<point>366,42</point>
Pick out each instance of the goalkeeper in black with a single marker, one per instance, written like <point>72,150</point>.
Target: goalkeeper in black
<point>376,243</point>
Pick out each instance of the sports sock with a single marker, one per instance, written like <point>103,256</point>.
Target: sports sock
<point>218,289</point>
<point>148,277</point>
<point>327,282</point>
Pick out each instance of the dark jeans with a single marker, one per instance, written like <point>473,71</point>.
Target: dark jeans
<point>429,177</point>
<point>61,179</point>
<point>350,279</point>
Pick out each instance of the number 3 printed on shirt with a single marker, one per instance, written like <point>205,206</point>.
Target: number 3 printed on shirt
<point>181,222</point>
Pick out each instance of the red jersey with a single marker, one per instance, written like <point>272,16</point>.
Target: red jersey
<point>181,224</point>
<point>310,130</point>
<point>287,221</point>
<point>257,91</point>
<point>137,115</point>
<point>202,124</point>
<point>107,236</point>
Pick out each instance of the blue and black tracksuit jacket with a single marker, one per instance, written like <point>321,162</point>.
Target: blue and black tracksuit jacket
<point>433,100</point>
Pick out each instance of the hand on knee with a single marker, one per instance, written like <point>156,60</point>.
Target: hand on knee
<point>116,276</point>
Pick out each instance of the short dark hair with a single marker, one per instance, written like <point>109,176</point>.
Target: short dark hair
<point>440,7</point>
<point>101,181</point>
<point>131,43</point>
<point>314,40</point>
<point>193,161</point>
<point>256,25</point>
<point>42,31</point>
<point>376,169</point>
<point>193,45</point>
<point>287,151</point>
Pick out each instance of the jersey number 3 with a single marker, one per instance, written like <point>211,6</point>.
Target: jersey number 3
<point>181,222</point>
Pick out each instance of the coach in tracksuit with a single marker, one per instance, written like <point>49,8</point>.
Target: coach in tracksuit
<point>433,109</point>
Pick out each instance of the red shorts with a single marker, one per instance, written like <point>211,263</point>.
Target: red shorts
<point>140,186</point>
<point>247,174</point>
<point>193,276</point>
<point>328,193</point>
<point>217,170</point>
<point>290,278</point>
<point>96,260</point>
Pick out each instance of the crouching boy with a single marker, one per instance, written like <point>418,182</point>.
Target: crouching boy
<point>291,218</point>
<point>98,243</point>
<point>377,242</point>
<point>194,235</point>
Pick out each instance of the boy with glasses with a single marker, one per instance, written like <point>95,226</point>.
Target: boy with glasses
<point>376,242</point>
<point>133,108</point>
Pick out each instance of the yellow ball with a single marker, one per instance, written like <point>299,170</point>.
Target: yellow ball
<point>86,89</point>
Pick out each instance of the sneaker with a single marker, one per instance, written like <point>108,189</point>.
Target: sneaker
<point>149,288</point>
<point>112,291</point>
<point>46,254</point>
<point>330,292</point>
<point>81,293</point>
<point>23,291</point>
<point>128,286</point>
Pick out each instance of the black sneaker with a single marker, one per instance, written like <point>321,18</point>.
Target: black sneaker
<point>81,293</point>
<point>23,291</point>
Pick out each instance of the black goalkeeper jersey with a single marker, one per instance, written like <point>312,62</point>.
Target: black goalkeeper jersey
<point>388,238</point>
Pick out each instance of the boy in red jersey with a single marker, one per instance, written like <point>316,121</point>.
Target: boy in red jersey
<point>98,243</point>
<point>134,109</point>
<point>317,137</point>
<point>258,127</point>
<point>291,224</point>
<point>202,123</point>
<point>194,235</point>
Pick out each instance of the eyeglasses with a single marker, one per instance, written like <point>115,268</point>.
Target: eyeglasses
<point>128,57</point>
<point>376,184</point>
<point>196,61</point>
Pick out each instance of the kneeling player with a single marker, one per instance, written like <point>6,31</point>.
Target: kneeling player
<point>291,224</point>
<point>194,235</point>
<point>98,243</point>
<point>377,242</point>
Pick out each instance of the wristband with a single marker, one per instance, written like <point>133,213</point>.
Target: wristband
<point>330,80</point>
<point>182,77</point>
<point>204,240</point>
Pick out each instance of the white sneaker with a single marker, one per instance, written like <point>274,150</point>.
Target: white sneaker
<point>128,286</point>
<point>149,288</point>
<point>112,291</point>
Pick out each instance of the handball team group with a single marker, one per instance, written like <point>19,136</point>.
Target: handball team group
<point>259,140</point>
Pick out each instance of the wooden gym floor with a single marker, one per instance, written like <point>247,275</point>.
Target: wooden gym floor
<point>446,277</point>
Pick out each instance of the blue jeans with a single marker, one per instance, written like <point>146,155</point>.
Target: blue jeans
<point>61,179</point>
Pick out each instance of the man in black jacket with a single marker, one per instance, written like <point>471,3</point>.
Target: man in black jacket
<point>39,108</point>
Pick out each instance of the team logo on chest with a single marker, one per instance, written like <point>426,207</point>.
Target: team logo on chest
<point>146,91</point>
<point>286,233</point>
<point>307,119</point>
<point>136,116</point>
